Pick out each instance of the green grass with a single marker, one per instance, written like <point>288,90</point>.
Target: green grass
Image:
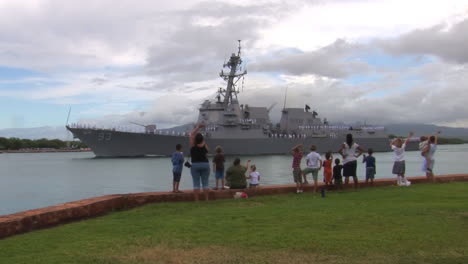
<point>425,223</point>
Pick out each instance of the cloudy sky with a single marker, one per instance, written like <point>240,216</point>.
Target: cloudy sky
<point>116,61</point>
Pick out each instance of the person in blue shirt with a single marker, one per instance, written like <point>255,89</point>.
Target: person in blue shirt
<point>370,166</point>
<point>177,165</point>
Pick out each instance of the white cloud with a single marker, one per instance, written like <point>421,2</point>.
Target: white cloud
<point>126,57</point>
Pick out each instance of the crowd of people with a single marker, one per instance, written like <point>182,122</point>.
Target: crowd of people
<point>235,176</point>
<point>350,152</point>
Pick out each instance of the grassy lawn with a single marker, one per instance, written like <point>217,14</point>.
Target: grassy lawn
<point>421,224</point>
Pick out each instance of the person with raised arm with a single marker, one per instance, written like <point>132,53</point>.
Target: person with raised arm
<point>296,152</point>
<point>314,165</point>
<point>350,151</point>
<point>428,154</point>
<point>200,169</point>
<point>399,166</point>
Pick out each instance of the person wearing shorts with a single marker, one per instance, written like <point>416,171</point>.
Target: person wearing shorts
<point>337,178</point>
<point>314,164</point>
<point>350,151</point>
<point>218,167</point>
<point>296,152</point>
<point>177,161</point>
<point>399,167</point>
<point>370,166</point>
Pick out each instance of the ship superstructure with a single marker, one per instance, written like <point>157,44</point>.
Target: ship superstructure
<point>240,129</point>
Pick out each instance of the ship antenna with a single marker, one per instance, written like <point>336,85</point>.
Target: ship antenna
<point>243,83</point>
<point>239,52</point>
<point>285,96</point>
<point>68,117</point>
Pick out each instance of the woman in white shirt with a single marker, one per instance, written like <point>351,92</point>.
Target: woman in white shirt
<point>350,151</point>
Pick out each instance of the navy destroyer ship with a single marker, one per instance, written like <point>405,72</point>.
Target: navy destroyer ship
<point>240,129</point>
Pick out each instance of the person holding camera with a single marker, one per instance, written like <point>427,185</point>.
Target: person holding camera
<point>200,167</point>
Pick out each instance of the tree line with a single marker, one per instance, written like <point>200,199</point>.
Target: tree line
<point>17,143</point>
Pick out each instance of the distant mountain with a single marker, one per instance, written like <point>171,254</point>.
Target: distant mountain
<point>396,129</point>
<point>37,133</point>
<point>423,129</point>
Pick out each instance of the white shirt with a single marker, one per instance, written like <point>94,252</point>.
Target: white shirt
<point>349,152</point>
<point>399,153</point>
<point>254,176</point>
<point>432,150</point>
<point>312,160</point>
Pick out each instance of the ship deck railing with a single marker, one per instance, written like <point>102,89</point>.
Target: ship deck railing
<point>130,130</point>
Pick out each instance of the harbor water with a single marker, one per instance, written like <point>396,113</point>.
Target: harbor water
<point>36,180</point>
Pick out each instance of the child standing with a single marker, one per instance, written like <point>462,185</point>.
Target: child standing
<point>254,176</point>
<point>398,147</point>
<point>314,164</point>
<point>218,167</point>
<point>177,161</point>
<point>337,174</point>
<point>296,152</point>
<point>370,166</point>
<point>327,169</point>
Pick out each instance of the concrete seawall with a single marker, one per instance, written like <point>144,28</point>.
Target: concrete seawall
<point>59,214</point>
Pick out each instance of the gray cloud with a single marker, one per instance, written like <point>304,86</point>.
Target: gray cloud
<point>185,44</point>
<point>333,61</point>
<point>52,34</point>
<point>205,36</point>
<point>447,44</point>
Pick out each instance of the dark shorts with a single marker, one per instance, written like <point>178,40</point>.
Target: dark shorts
<point>297,173</point>
<point>253,185</point>
<point>219,174</point>
<point>349,169</point>
<point>338,180</point>
<point>370,173</point>
<point>177,176</point>
<point>399,167</point>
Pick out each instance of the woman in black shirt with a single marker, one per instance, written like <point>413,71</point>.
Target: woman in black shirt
<point>200,169</point>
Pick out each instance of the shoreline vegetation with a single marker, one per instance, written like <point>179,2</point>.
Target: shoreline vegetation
<point>375,225</point>
<point>17,145</point>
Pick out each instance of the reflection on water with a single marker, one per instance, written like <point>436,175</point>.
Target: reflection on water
<point>37,180</point>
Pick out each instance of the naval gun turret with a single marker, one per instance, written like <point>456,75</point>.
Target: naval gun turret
<point>149,129</point>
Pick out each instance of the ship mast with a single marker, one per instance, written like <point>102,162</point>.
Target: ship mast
<point>232,77</point>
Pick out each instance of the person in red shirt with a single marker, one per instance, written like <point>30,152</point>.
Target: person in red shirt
<point>327,169</point>
<point>297,154</point>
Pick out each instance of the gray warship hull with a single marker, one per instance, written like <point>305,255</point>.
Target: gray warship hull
<point>108,143</point>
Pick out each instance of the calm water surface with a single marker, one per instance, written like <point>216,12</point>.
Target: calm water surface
<point>30,181</point>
